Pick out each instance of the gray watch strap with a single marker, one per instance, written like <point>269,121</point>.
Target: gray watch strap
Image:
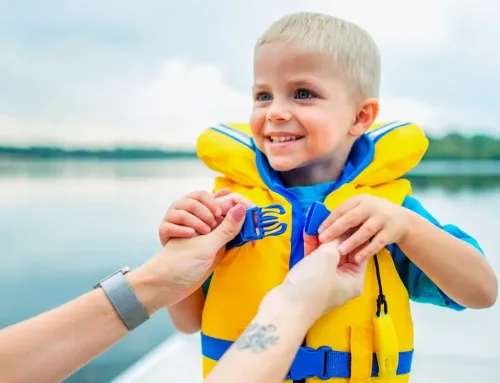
<point>124,300</point>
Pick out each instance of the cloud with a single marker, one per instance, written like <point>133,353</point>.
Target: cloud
<point>411,27</point>
<point>171,109</point>
<point>408,110</point>
<point>186,98</point>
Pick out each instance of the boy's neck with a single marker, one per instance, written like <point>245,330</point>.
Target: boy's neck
<point>320,171</point>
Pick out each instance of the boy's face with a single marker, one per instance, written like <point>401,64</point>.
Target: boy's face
<point>302,108</point>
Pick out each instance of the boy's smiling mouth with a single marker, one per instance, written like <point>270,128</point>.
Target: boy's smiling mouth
<point>282,138</point>
<point>279,139</point>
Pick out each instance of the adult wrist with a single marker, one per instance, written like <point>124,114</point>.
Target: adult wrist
<point>283,300</point>
<point>150,287</point>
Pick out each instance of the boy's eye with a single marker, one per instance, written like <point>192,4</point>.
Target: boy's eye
<point>263,96</point>
<point>303,94</point>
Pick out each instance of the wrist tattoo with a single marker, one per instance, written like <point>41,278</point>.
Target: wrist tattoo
<point>258,337</point>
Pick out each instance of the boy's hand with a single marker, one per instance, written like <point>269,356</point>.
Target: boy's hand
<point>371,222</point>
<point>198,212</point>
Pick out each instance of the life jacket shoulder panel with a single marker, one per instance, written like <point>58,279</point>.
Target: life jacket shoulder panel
<point>395,149</point>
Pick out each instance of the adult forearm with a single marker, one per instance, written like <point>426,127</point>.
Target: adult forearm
<point>265,351</point>
<point>456,267</point>
<point>49,347</point>
<point>53,345</point>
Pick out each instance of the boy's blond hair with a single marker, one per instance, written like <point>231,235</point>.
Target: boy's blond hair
<point>350,47</point>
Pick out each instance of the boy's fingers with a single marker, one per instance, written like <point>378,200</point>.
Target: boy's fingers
<point>222,192</point>
<point>346,222</point>
<point>373,247</point>
<point>239,199</point>
<point>361,236</point>
<point>186,219</point>
<point>342,209</point>
<point>198,209</point>
<point>206,199</point>
<point>350,257</point>
<point>227,202</point>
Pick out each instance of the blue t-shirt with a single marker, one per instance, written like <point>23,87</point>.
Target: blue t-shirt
<point>420,287</point>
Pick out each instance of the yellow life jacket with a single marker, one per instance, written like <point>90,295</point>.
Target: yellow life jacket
<point>354,343</point>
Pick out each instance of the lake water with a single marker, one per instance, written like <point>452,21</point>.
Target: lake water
<point>66,224</point>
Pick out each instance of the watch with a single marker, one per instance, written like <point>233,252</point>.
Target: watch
<point>123,298</point>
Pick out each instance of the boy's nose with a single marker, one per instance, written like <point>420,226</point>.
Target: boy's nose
<point>278,112</point>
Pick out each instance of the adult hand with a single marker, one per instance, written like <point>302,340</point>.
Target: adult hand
<point>321,282</point>
<point>192,260</point>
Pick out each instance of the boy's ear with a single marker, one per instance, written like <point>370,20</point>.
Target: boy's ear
<point>366,116</point>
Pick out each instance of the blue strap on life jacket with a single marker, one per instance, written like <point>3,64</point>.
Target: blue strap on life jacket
<point>262,222</point>
<point>323,363</point>
<point>259,222</point>
<point>316,214</point>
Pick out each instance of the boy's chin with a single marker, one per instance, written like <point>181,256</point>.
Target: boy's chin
<point>283,165</point>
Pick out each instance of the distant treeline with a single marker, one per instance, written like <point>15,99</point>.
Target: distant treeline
<point>47,152</point>
<point>454,146</point>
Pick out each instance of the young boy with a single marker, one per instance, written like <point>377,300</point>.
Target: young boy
<point>313,151</point>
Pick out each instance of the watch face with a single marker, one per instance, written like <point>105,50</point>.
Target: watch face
<point>123,270</point>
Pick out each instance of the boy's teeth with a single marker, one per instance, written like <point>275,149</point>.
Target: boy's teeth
<point>283,138</point>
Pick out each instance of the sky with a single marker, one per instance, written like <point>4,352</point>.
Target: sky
<point>158,72</point>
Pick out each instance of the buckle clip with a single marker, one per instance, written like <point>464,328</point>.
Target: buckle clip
<point>309,363</point>
<point>261,222</point>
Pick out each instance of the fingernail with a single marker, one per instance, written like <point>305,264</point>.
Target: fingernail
<point>207,229</point>
<point>238,212</point>
<point>214,223</point>
<point>342,250</point>
<point>322,238</point>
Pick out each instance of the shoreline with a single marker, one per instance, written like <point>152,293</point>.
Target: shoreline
<point>150,155</point>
